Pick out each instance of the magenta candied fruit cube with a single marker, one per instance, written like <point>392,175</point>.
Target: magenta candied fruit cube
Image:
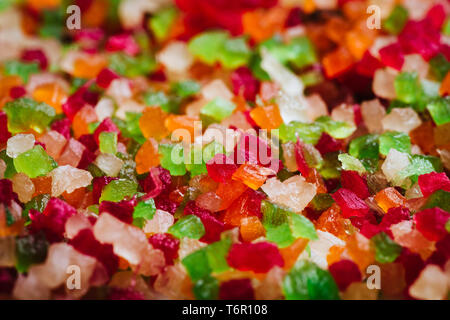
<point>350,204</point>
<point>353,181</point>
<point>392,56</point>
<point>105,77</point>
<point>122,42</point>
<point>221,168</point>
<point>237,289</point>
<point>431,223</point>
<point>244,83</point>
<point>168,244</point>
<point>122,210</point>
<point>433,181</point>
<point>63,127</point>
<point>258,257</point>
<point>344,273</point>
<point>302,165</point>
<point>107,125</point>
<point>35,55</point>
<point>213,226</point>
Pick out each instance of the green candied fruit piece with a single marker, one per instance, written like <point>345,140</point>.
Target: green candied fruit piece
<point>197,265</point>
<point>308,132</point>
<point>129,66</point>
<point>439,66</point>
<point>161,100</point>
<point>407,87</point>
<point>24,114</point>
<point>31,249</point>
<point>306,281</point>
<point>302,227</point>
<point>394,140</point>
<point>108,142</point>
<point>196,165</point>
<point>386,250</point>
<point>440,199</point>
<point>34,162</point>
<point>130,127</point>
<point>446,27</point>
<point>301,52</point>
<point>365,147</point>
<point>440,110</point>
<point>207,45</point>
<point>189,226</point>
<point>118,189</point>
<point>331,166</point>
<point>276,222</point>
<point>447,226</point>
<point>351,163</point>
<point>322,201</point>
<point>10,169</point>
<point>218,109</point>
<point>172,158</point>
<point>234,53</point>
<point>206,288</point>
<point>161,22</point>
<point>216,253</point>
<point>336,129</point>
<point>396,21</point>
<point>144,210</point>
<point>420,164</point>
<point>21,69</point>
<point>185,89</point>
<point>37,203</point>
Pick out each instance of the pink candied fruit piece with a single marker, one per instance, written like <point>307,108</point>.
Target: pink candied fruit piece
<point>98,183</point>
<point>168,244</point>
<point>243,82</point>
<point>35,55</point>
<point>4,133</point>
<point>328,144</point>
<point>122,42</point>
<point>17,92</point>
<point>105,77</point>
<point>353,181</point>
<point>163,202</point>
<point>221,168</point>
<point>431,223</point>
<point>236,289</point>
<point>72,153</point>
<point>344,273</point>
<point>107,125</point>
<point>258,257</point>
<point>6,192</point>
<point>392,56</point>
<point>52,220</point>
<point>63,127</point>
<point>125,294</point>
<point>86,243</point>
<point>213,227</point>
<point>433,181</point>
<point>122,210</point>
<point>350,204</point>
<point>300,159</point>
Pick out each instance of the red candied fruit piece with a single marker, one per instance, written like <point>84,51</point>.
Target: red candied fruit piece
<point>328,144</point>
<point>86,158</point>
<point>431,223</point>
<point>412,264</point>
<point>107,125</point>
<point>392,56</point>
<point>35,55</point>
<point>4,133</point>
<point>213,227</point>
<point>357,116</point>
<point>163,202</point>
<point>294,17</point>
<point>122,42</point>
<point>300,159</point>
<point>86,243</point>
<point>394,216</point>
<point>8,277</point>
<point>221,168</point>
<point>368,65</point>
<point>89,142</point>
<point>98,183</point>
<point>258,257</point>
<point>105,77</point>
<point>125,294</point>
<point>344,273</point>
<point>244,83</point>
<point>237,289</point>
<point>6,192</point>
<point>122,210</point>
<point>17,92</point>
<point>353,181</point>
<point>436,16</point>
<point>63,127</point>
<point>432,182</point>
<point>76,101</point>
<point>152,184</point>
<point>420,37</point>
<point>53,220</point>
<point>167,244</point>
<point>248,204</point>
<point>351,205</point>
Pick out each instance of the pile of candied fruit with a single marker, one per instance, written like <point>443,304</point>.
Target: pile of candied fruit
<point>240,149</point>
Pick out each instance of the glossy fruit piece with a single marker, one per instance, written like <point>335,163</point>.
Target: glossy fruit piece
<point>252,175</point>
<point>261,25</point>
<point>360,251</point>
<point>229,192</point>
<point>332,221</point>
<point>247,205</point>
<point>251,228</point>
<point>147,156</point>
<point>88,67</point>
<point>258,257</point>
<point>350,204</point>
<point>444,90</point>
<point>337,62</point>
<point>389,198</point>
<point>80,123</point>
<point>151,123</point>
<point>52,94</point>
<point>291,253</point>
<point>267,117</point>
<point>189,126</point>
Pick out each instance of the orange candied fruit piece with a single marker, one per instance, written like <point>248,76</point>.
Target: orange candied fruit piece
<point>315,178</point>
<point>147,156</point>
<point>389,198</point>
<point>291,253</point>
<point>75,198</point>
<point>263,24</point>
<point>95,15</point>
<point>11,230</point>
<point>423,136</point>
<point>230,191</point>
<point>6,84</point>
<point>337,62</point>
<point>267,117</point>
<point>332,221</point>
<point>445,86</point>
<point>335,254</point>
<point>360,250</point>
<point>40,5</point>
<point>52,94</point>
<point>335,29</point>
<point>190,126</point>
<point>354,10</point>
<point>89,66</point>
<point>151,123</point>
<point>82,119</point>
<point>357,43</point>
<point>251,228</point>
<point>42,185</point>
<point>252,175</point>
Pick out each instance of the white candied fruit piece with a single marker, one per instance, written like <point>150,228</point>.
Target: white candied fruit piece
<point>68,178</point>
<point>19,144</point>
<point>109,164</point>
<point>401,119</point>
